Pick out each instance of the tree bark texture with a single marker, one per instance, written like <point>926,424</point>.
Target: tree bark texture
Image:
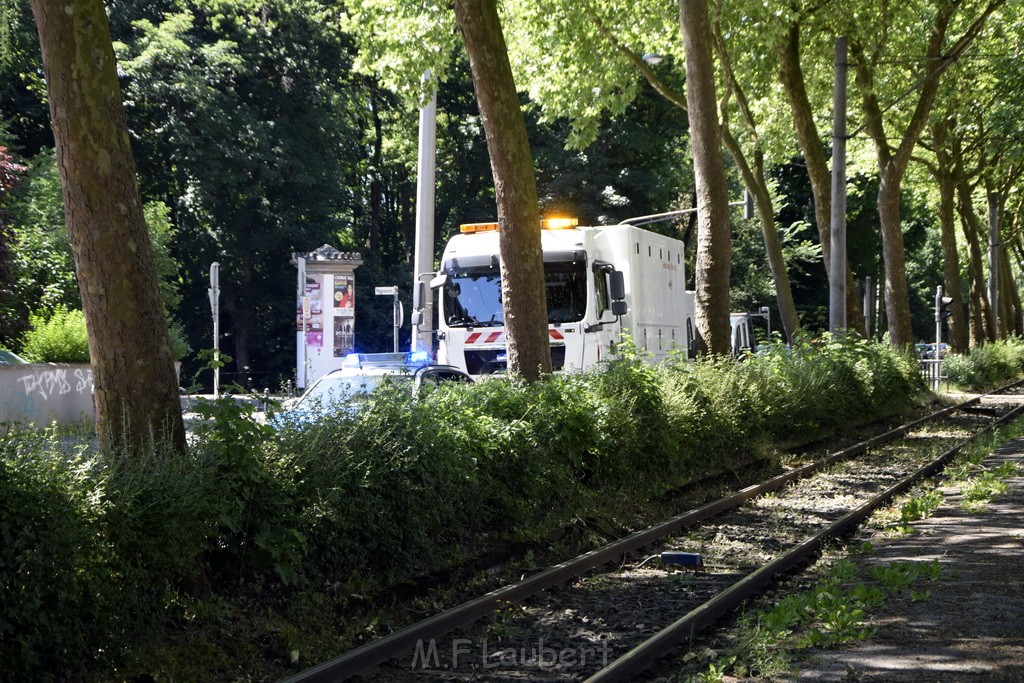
<point>982,320</point>
<point>751,168</point>
<point>136,392</point>
<point>757,184</point>
<point>515,188</point>
<point>893,160</point>
<point>897,300</point>
<point>950,255</point>
<point>1008,314</point>
<point>818,173</point>
<point>714,255</point>
<point>1015,324</point>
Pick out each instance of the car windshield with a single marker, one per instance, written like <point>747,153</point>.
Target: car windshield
<point>472,296</point>
<point>339,389</point>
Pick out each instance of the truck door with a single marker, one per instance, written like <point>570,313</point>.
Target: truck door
<point>565,284</point>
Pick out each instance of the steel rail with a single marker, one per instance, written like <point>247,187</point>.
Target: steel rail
<point>367,657</point>
<point>648,652</point>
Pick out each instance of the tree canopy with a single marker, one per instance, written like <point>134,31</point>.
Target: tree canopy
<point>272,126</point>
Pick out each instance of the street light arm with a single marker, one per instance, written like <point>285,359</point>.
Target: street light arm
<point>638,63</point>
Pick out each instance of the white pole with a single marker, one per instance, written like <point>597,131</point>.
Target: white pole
<point>300,373</point>
<point>214,292</point>
<point>396,317</point>
<point>937,358</point>
<point>423,261</point>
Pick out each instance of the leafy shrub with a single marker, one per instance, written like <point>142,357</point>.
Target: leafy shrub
<point>988,365</point>
<point>251,529</point>
<point>93,545</point>
<point>177,337</point>
<point>397,486</point>
<point>99,547</point>
<point>59,337</point>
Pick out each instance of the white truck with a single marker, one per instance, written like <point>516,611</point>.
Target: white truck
<point>601,281</point>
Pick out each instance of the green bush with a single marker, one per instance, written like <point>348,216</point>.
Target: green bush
<point>59,337</point>
<point>399,486</point>
<point>98,548</point>
<point>252,532</point>
<point>179,344</point>
<point>94,545</point>
<point>988,365</point>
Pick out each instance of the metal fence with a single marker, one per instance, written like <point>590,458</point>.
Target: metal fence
<point>931,371</point>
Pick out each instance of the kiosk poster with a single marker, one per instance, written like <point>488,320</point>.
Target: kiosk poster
<point>344,339</point>
<point>315,312</point>
<point>344,295</point>
<point>315,339</point>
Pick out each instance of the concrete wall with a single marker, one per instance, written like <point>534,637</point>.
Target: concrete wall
<point>44,392</point>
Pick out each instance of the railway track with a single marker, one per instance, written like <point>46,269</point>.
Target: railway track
<point>614,623</point>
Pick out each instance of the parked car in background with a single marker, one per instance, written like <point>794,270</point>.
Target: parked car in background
<point>11,358</point>
<point>359,375</point>
<point>926,351</point>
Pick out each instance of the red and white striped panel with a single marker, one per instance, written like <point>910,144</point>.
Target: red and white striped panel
<point>499,337</point>
<point>482,338</point>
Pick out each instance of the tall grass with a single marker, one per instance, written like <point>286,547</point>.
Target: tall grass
<point>987,366</point>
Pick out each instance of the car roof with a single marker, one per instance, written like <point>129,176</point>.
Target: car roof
<point>10,358</point>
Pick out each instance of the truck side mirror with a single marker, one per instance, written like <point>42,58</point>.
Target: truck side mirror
<point>416,318</point>
<point>616,287</point>
<point>619,308</point>
<point>419,295</point>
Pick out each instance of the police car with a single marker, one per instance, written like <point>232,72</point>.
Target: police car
<point>360,374</point>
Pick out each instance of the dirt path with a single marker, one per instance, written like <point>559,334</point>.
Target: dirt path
<point>971,627</point>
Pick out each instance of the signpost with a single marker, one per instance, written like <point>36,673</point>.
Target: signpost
<point>942,311</point>
<point>396,307</point>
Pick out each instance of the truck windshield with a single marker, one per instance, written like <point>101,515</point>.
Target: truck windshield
<point>472,296</point>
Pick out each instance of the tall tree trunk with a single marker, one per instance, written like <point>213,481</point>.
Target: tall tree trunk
<point>515,188</point>
<point>758,186</point>
<point>893,160</point>
<point>1006,292</point>
<point>714,255</point>
<point>376,182</point>
<point>897,300</point>
<point>994,282</point>
<point>951,261</point>
<point>751,168</point>
<point>813,150</point>
<point>135,389</point>
<point>241,319</point>
<point>407,206</point>
<point>982,320</point>
<point>1017,313</point>
<point>943,172</point>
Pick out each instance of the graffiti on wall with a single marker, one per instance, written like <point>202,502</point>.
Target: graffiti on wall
<point>57,382</point>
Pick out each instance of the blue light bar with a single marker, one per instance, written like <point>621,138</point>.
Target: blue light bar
<point>417,357</point>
